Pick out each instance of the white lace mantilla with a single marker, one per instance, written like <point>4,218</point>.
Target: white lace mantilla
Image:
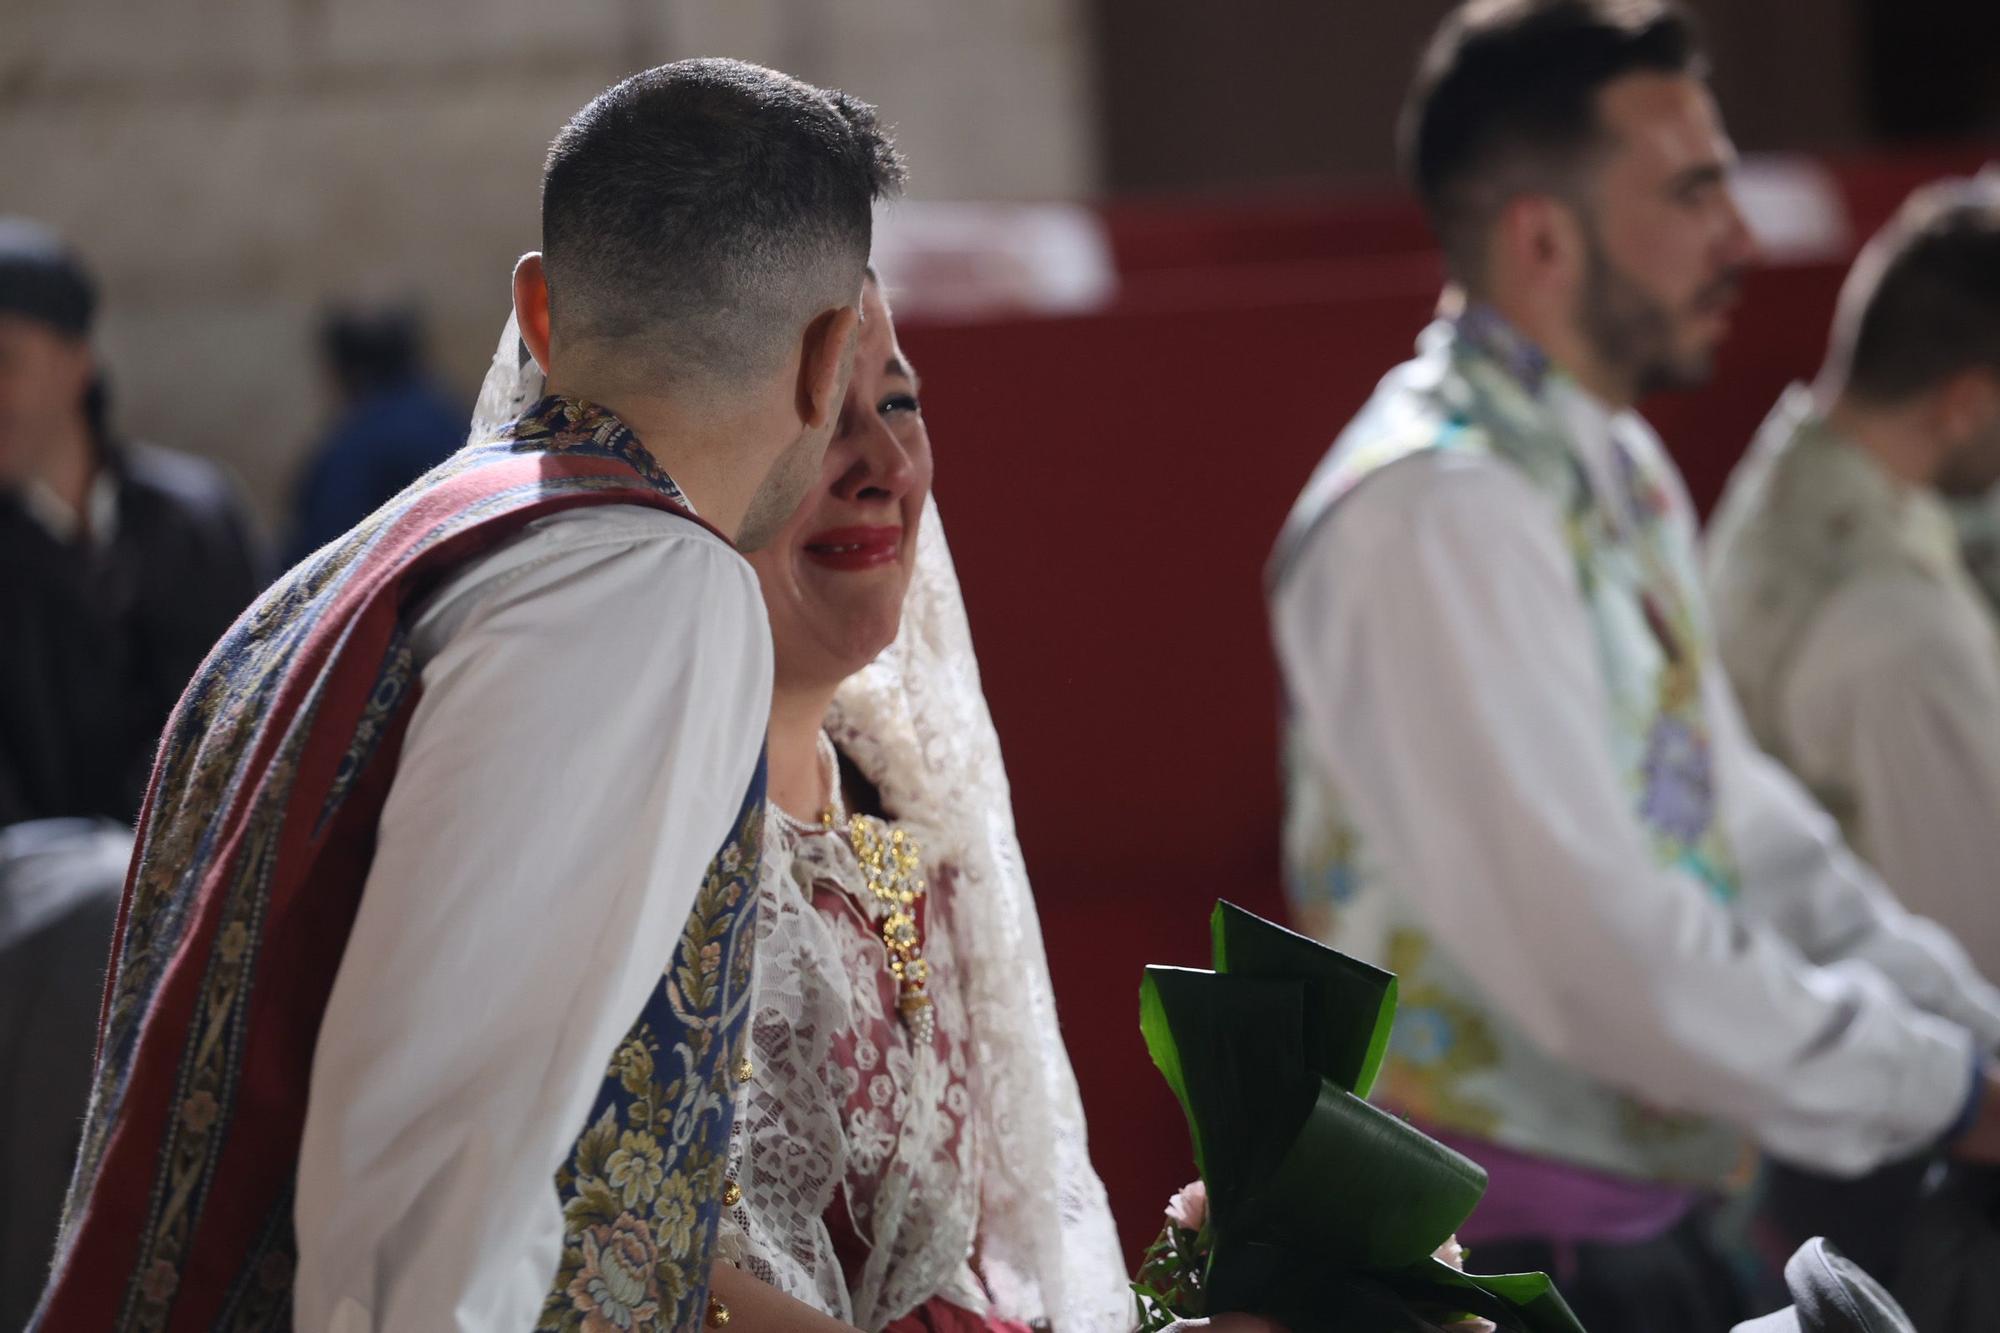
<point>998,1210</point>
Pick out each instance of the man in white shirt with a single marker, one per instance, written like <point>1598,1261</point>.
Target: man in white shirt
<point>1518,776</point>
<point>428,892</point>
<point>1862,650</point>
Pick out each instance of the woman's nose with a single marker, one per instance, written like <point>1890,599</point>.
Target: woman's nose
<point>882,466</point>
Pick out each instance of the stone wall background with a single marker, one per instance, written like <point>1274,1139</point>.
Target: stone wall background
<point>226,165</point>
<point>229,164</point>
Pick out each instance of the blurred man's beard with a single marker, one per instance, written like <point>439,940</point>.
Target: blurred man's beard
<point>1633,332</point>
<point>1971,472</point>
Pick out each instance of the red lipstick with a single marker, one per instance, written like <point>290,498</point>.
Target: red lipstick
<point>855,548</point>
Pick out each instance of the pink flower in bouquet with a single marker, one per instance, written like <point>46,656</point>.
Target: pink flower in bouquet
<point>1189,1208</point>
<point>1452,1253</point>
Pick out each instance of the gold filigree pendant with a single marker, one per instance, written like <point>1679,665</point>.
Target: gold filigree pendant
<point>892,868</point>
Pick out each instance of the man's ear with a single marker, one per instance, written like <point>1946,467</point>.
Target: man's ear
<point>531,306</point>
<point>1539,239</point>
<point>826,361</point>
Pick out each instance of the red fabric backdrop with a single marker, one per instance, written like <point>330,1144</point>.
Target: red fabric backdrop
<point>1112,483</point>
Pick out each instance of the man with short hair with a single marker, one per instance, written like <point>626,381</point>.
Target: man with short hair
<point>1519,779</point>
<point>123,561</point>
<point>1863,652</point>
<point>429,879</point>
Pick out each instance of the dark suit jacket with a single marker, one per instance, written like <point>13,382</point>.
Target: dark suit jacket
<point>96,643</point>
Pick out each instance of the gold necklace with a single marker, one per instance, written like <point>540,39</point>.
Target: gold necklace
<point>892,870</point>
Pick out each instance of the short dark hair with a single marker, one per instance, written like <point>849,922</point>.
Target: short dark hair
<point>44,280</point>
<point>710,208</point>
<point>1923,301</point>
<point>1504,99</point>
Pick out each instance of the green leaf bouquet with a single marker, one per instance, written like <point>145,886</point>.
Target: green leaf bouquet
<point>1322,1211</point>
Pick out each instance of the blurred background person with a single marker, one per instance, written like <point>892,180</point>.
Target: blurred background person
<point>1977,522</point>
<point>1516,753</point>
<point>1863,653</point>
<point>392,421</point>
<point>124,561</point>
<point>1862,649</point>
<point>120,564</point>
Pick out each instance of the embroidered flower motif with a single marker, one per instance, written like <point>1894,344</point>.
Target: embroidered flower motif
<point>675,1216</point>
<point>865,989</point>
<point>200,1112</point>
<point>711,958</point>
<point>1439,1042</point>
<point>617,1289</point>
<point>869,1141</point>
<point>1422,1036</point>
<point>1325,872</point>
<point>160,1282</point>
<point>1678,801</point>
<point>634,1168</point>
<point>634,1064</point>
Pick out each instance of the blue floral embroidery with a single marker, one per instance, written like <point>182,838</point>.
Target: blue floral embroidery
<point>1678,797</point>
<point>1423,1036</point>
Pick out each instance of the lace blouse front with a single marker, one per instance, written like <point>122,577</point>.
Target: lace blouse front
<point>860,1172</point>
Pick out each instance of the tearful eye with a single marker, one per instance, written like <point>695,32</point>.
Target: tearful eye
<point>899,402</point>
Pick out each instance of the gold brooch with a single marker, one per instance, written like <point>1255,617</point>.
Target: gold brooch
<point>893,871</point>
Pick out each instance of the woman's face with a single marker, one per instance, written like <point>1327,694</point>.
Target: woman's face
<point>835,575</point>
